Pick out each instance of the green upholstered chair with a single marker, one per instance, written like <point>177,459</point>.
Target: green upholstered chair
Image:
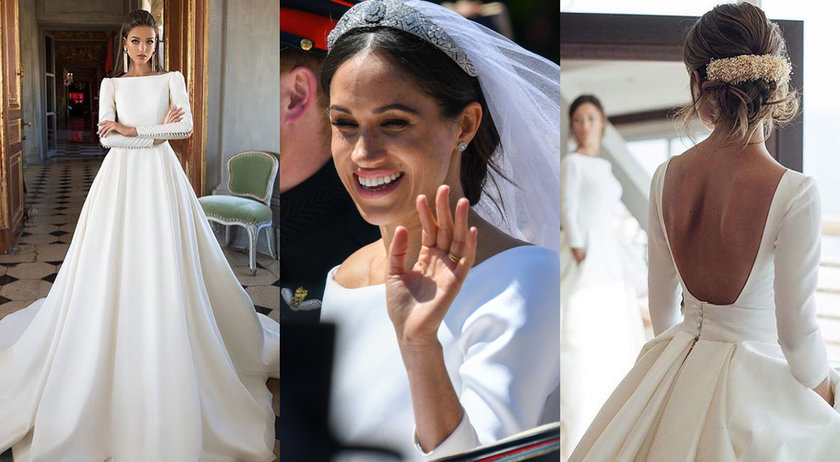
<point>251,177</point>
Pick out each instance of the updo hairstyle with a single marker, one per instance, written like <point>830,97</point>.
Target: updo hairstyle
<point>727,31</point>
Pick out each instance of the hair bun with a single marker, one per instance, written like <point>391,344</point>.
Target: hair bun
<point>739,64</point>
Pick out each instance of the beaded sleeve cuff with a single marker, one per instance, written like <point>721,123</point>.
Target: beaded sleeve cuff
<point>115,140</point>
<point>164,132</point>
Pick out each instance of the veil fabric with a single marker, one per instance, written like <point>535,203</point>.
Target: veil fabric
<point>522,91</point>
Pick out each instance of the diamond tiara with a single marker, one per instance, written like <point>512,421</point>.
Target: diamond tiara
<point>397,15</point>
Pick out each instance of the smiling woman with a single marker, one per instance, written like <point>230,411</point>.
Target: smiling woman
<point>389,135</point>
<point>411,122</point>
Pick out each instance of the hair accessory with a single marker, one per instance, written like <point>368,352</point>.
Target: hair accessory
<point>744,68</point>
<point>522,91</point>
<point>453,258</point>
<point>462,146</point>
<point>397,15</point>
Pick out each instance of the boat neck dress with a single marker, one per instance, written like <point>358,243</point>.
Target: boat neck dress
<point>728,383</point>
<point>146,347</point>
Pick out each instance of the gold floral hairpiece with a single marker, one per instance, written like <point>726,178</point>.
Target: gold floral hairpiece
<point>743,68</point>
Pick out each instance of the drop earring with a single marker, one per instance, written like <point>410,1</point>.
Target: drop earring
<point>125,60</point>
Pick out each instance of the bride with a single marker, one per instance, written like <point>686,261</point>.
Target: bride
<point>742,374</point>
<point>147,347</point>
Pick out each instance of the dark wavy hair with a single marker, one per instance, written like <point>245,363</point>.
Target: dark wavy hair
<point>731,30</point>
<point>438,76</point>
<point>134,19</point>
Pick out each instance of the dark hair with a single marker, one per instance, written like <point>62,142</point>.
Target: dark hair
<point>438,76</point>
<point>582,99</point>
<point>731,30</point>
<point>590,99</point>
<point>136,18</point>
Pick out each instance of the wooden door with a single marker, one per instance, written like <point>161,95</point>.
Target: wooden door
<point>185,41</point>
<point>50,134</point>
<point>11,128</point>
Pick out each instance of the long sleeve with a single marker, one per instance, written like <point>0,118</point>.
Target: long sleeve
<point>510,352</point>
<point>177,98</point>
<point>796,263</point>
<point>569,192</point>
<point>663,282</point>
<point>108,111</point>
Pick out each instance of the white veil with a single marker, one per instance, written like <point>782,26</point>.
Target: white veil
<point>522,91</point>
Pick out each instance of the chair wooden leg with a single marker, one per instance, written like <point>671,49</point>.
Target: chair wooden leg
<point>252,249</point>
<point>269,237</point>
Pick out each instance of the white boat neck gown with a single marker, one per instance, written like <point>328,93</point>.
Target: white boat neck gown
<point>729,383</point>
<point>146,348</point>
<point>601,323</point>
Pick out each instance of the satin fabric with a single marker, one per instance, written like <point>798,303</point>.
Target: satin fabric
<point>500,347</point>
<point>147,347</point>
<point>728,383</point>
<point>601,321</point>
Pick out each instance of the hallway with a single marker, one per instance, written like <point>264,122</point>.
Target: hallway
<point>57,191</point>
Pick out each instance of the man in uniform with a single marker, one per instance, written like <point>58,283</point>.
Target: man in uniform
<point>319,223</point>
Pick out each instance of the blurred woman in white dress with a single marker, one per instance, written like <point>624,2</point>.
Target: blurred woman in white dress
<point>601,328</point>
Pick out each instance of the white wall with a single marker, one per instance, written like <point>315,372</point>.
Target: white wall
<point>250,80</point>
<point>243,87</point>
<point>215,98</point>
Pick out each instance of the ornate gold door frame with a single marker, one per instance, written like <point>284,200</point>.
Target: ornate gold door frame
<point>185,24</point>
<point>11,127</point>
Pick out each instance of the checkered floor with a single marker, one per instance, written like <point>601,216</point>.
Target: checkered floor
<point>67,149</point>
<point>57,190</point>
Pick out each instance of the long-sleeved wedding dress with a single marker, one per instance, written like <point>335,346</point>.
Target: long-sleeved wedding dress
<point>147,347</point>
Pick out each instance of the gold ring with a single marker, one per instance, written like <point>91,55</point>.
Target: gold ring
<point>453,258</point>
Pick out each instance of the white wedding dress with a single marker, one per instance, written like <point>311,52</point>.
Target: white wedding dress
<point>729,383</point>
<point>601,326</point>
<point>500,346</point>
<point>147,348</point>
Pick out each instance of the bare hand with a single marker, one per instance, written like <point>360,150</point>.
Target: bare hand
<point>579,254</point>
<point>106,127</point>
<point>825,390</point>
<point>174,115</point>
<point>419,299</point>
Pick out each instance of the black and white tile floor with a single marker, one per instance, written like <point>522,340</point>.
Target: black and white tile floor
<point>57,189</point>
<point>79,149</point>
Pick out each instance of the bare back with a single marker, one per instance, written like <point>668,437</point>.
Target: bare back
<point>715,205</point>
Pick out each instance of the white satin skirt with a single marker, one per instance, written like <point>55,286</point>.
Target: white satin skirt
<point>147,348</point>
